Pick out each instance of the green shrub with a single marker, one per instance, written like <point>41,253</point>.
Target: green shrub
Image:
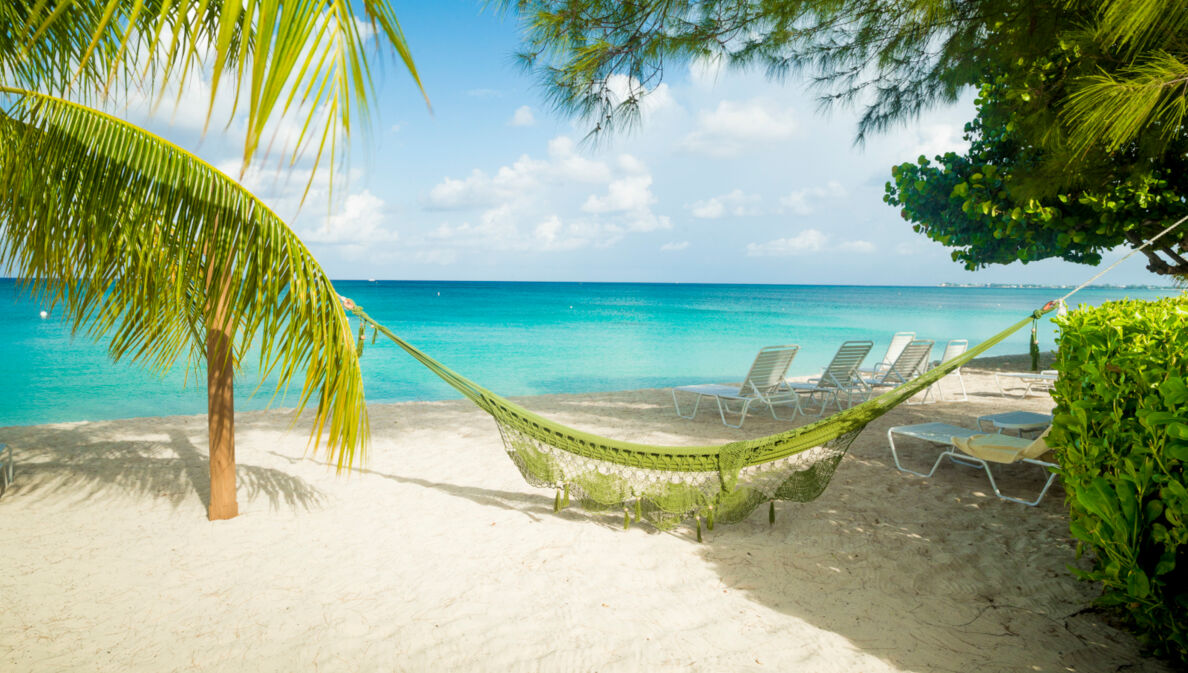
<point>1121,436</point>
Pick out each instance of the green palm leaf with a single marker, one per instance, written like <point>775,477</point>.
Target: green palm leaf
<point>134,237</point>
<point>301,60</point>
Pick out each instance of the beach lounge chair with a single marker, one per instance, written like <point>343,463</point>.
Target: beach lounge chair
<point>911,362</point>
<point>937,433</point>
<point>764,384</point>
<point>898,341</point>
<point>1032,381</point>
<point>954,348</point>
<point>1005,449</point>
<point>975,448</point>
<point>6,467</point>
<point>840,376</point>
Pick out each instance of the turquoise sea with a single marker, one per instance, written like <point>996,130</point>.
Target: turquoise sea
<point>533,338</point>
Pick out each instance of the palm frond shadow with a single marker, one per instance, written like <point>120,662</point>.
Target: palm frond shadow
<point>55,460</point>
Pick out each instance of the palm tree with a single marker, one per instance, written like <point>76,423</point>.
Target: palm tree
<point>134,238</point>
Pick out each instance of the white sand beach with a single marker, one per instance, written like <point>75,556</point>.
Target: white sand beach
<point>437,556</point>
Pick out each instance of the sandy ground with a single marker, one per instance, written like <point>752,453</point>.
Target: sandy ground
<point>437,556</point>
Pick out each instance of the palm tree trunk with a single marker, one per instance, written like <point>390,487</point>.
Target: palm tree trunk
<point>220,399</point>
<point>220,402</point>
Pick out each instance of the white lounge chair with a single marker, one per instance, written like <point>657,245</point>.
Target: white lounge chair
<point>937,433</point>
<point>898,341</point>
<point>954,348</point>
<point>974,448</point>
<point>1005,449</point>
<point>840,376</point>
<point>911,362</point>
<point>1032,381</point>
<point>764,384</point>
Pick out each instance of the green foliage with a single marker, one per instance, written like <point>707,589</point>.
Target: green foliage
<point>130,235</point>
<point>139,255</point>
<point>897,58</point>
<point>1080,141</point>
<point>996,203</point>
<point>301,60</point>
<point>1121,436</point>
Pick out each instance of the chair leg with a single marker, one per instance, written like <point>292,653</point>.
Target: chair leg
<point>899,466</point>
<point>964,394</point>
<point>677,405</point>
<point>724,407</point>
<point>1030,503</point>
<point>795,410</point>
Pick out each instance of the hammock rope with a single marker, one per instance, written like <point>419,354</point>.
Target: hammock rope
<point>668,484</point>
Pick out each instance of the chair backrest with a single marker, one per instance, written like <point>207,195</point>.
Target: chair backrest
<point>910,362</point>
<point>898,341</point>
<point>954,348</point>
<point>769,369</point>
<point>1037,448</point>
<point>844,367</point>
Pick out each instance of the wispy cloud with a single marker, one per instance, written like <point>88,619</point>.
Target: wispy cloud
<point>522,117</point>
<point>736,203</point>
<point>804,201</point>
<point>807,241</point>
<point>734,127</point>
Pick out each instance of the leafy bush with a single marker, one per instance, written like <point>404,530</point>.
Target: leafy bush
<point>1121,435</point>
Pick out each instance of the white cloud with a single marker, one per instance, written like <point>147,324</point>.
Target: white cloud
<point>859,246</point>
<point>933,139</point>
<point>522,117</point>
<point>803,201</point>
<point>674,246</point>
<point>629,164</point>
<point>567,163</point>
<point>737,203</point>
<point>623,195</point>
<point>807,241</point>
<point>732,128</point>
<point>553,194</point>
<point>482,190</point>
<point>650,101</point>
<point>361,220</point>
<point>632,196</point>
<point>395,128</point>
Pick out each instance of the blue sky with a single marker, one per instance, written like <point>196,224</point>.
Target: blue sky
<point>731,178</point>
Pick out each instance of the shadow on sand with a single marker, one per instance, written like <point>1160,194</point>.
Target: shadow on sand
<point>55,459</point>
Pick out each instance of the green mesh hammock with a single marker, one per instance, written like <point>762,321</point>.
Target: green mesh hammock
<point>668,484</point>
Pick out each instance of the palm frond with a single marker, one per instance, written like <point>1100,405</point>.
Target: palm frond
<point>1137,25</point>
<point>1113,109</point>
<point>300,60</point>
<point>135,238</point>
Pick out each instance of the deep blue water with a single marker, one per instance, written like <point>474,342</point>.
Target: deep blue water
<point>532,338</point>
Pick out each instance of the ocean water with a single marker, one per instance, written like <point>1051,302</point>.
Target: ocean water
<point>532,338</point>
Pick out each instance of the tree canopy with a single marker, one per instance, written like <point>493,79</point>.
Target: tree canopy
<point>1081,109</point>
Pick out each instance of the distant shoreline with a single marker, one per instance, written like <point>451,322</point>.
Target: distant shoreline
<point>946,285</point>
